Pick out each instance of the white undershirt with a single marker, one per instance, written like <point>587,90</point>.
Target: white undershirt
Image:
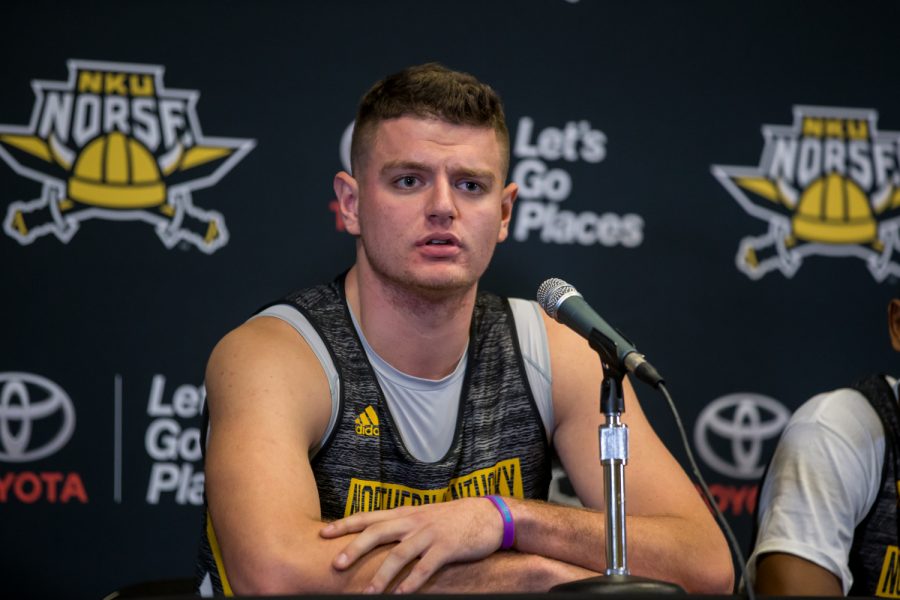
<point>425,410</point>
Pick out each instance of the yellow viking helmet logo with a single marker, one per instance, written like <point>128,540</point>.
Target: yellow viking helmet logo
<point>114,171</point>
<point>834,210</point>
<point>828,185</point>
<point>113,143</point>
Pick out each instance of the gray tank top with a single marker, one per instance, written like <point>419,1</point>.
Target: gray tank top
<point>425,410</point>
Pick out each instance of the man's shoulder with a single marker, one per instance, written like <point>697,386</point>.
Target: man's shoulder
<point>832,404</point>
<point>842,401</point>
<point>313,297</point>
<point>261,351</point>
<point>844,412</point>
<point>260,337</point>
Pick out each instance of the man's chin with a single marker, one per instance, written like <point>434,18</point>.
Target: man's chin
<point>438,286</point>
<point>433,282</point>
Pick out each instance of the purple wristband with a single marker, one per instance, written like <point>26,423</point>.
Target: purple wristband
<point>509,526</point>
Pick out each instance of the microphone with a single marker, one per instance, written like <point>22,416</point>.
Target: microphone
<point>563,303</point>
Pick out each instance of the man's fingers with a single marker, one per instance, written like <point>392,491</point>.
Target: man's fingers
<point>427,566</point>
<point>371,537</point>
<point>359,521</point>
<point>424,540</point>
<point>397,559</point>
<point>344,526</point>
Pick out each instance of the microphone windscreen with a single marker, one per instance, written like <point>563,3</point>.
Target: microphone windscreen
<point>551,292</point>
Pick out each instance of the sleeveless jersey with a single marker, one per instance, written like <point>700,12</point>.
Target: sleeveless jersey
<point>874,556</point>
<point>499,445</point>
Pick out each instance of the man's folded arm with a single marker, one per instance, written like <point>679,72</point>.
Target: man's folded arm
<point>671,534</point>
<point>269,402</point>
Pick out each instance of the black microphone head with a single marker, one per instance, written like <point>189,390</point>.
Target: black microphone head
<point>552,292</point>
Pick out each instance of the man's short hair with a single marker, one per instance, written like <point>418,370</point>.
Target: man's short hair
<point>428,91</point>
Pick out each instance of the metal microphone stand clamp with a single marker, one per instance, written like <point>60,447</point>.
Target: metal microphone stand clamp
<point>613,456</point>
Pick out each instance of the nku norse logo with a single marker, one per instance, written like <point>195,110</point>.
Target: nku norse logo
<point>113,143</point>
<point>828,185</point>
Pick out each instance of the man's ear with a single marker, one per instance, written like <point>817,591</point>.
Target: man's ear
<point>507,199</point>
<point>346,188</point>
<point>894,323</point>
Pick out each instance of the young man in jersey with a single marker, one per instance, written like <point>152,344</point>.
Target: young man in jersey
<point>828,508</point>
<point>407,386</point>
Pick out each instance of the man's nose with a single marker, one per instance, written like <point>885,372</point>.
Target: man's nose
<point>441,202</point>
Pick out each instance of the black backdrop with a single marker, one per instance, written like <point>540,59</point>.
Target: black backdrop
<point>622,115</point>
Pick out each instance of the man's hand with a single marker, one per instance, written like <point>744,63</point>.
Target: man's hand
<point>436,534</point>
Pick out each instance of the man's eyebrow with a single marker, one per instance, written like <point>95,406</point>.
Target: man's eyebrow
<point>474,173</point>
<point>404,165</point>
<point>411,165</point>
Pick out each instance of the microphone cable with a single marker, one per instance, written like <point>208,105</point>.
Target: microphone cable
<point>726,528</point>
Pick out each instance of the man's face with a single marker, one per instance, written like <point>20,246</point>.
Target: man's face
<point>430,203</point>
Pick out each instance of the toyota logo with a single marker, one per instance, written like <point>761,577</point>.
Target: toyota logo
<point>29,405</point>
<point>731,431</point>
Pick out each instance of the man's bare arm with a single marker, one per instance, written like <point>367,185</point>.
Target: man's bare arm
<point>266,397</point>
<point>782,574</point>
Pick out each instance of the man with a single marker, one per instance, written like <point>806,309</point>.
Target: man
<point>828,506</point>
<point>407,387</point>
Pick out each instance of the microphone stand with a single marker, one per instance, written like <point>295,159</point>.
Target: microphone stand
<point>613,456</point>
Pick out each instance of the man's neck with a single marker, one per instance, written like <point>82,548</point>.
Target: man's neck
<point>417,334</point>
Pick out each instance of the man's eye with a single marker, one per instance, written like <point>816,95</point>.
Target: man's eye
<point>407,181</point>
<point>471,186</point>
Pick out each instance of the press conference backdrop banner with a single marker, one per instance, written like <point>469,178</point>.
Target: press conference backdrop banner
<point>720,180</point>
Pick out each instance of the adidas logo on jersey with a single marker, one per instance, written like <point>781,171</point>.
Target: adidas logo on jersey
<point>367,422</point>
